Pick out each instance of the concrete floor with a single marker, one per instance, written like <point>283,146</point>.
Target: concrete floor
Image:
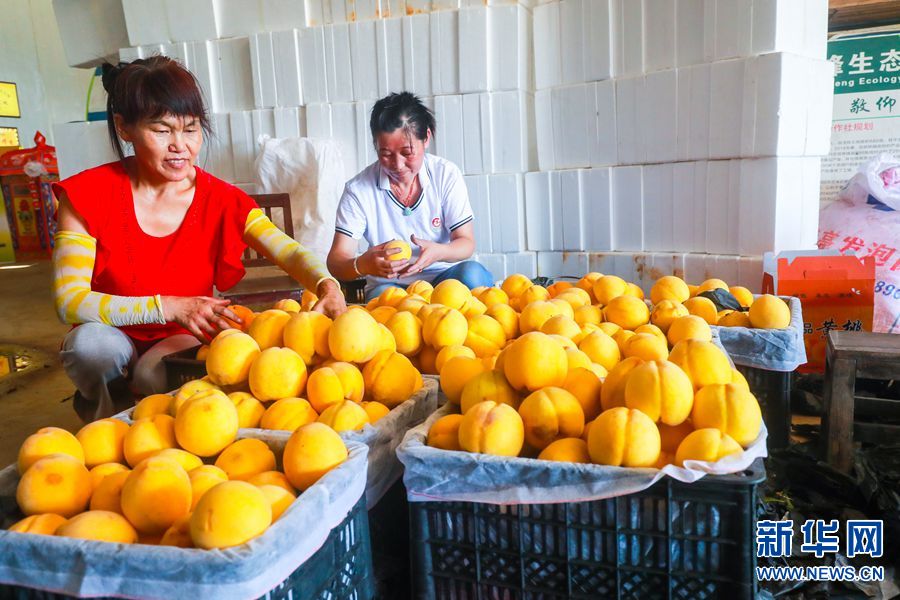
<point>41,396</point>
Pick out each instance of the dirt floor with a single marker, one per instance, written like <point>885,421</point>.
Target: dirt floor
<point>41,395</point>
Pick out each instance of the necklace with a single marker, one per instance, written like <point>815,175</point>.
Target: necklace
<point>407,210</point>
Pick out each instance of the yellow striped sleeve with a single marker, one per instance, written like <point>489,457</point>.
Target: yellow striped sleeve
<point>263,236</point>
<point>74,256</point>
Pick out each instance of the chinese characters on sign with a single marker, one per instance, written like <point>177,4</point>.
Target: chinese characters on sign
<point>774,539</point>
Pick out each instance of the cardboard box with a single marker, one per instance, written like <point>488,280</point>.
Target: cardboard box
<point>837,292</point>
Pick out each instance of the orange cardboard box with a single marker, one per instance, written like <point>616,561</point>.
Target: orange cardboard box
<point>837,292</point>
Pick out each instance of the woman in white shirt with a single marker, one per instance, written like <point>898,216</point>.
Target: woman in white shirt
<point>409,195</point>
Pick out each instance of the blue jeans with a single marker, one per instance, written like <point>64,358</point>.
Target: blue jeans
<point>470,272</point>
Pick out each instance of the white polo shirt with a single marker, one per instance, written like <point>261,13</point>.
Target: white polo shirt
<point>369,209</point>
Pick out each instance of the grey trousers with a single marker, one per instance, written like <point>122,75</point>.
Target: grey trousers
<point>104,365</point>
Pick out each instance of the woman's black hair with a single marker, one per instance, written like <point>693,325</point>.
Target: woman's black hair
<point>149,88</point>
<point>402,111</point>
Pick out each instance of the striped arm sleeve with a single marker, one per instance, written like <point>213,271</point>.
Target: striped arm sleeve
<point>73,265</point>
<point>295,260</point>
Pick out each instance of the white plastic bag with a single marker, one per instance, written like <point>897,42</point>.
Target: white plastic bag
<point>311,171</point>
<point>865,221</point>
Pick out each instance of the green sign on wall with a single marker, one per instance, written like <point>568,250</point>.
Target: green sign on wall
<point>866,64</point>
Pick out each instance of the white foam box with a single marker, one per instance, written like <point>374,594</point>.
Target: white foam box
<point>700,102</point>
<point>337,11</point>
<point>709,29</point>
<point>725,110</point>
<point>544,134</point>
<point>778,25</point>
<point>683,83</point>
<point>596,201</point>
<point>815,23</point>
<point>719,209</point>
<point>628,37</point>
<point>598,62</point>
<point>695,268</point>
<point>620,264</point>
<point>365,150</point>
<point>690,32</point>
<point>776,126</point>
<point>479,199</point>
<point>445,5</point>
<point>601,125</point>
<point>82,145</point>
<point>145,21</point>
<point>262,60</point>
<point>316,12</point>
<point>400,8</point>
<point>750,273</point>
<point>475,59</point>
<point>129,54</point>
<point>152,50</point>
<point>192,21</point>
<point>477,151</point>
<point>243,146</point>
<point>627,209</point>
<point>572,42</point>
<point>343,124</point>
<point>661,264</point>
<point>281,15</point>
<point>313,65</point>
<point>176,51</point>
<point>364,60</point>
<point>511,52</point>
<point>263,122</point>
<point>819,108</point>
<point>337,63</point>
<point>524,263</point>
<point>734,20</point>
<point>495,263</point>
<point>726,268</point>
<point>659,210</point>
<point>571,203</point>
<point>449,138</point>
<point>659,116</point>
<point>562,264</point>
<point>630,145</point>
<point>689,232</point>
<point>289,88</point>
<point>507,199</point>
<point>232,77</point>
<point>572,107</point>
<point>92,31</point>
<point>547,46</point>
<point>238,17</point>
<point>290,122</point>
<point>660,26</point>
<point>319,121</point>
<point>539,215</point>
<point>221,159</point>
<point>199,56</point>
<point>445,52</point>
<point>417,54</point>
<point>512,133</point>
<point>389,36</point>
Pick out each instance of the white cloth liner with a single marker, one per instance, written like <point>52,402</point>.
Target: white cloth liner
<point>91,568</point>
<point>384,437</point>
<point>434,475</point>
<point>768,349</point>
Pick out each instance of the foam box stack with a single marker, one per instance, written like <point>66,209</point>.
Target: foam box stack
<point>564,142</point>
<point>82,145</point>
<point>91,31</point>
<point>479,198</point>
<point>572,42</point>
<point>562,264</point>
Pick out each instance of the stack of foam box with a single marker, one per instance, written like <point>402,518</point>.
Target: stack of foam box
<point>677,136</point>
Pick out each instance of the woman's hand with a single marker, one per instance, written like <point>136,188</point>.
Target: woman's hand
<point>331,300</point>
<point>431,252</point>
<point>375,261</point>
<point>200,315</point>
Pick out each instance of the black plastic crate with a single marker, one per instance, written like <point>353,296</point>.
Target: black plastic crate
<point>182,367</point>
<point>340,569</point>
<point>773,390</point>
<point>672,540</point>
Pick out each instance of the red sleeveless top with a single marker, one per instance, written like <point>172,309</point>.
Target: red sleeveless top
<point>204,251</point>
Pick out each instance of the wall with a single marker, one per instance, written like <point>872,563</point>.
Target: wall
<point>31,55</point>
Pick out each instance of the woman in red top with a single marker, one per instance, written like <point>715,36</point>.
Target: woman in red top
<point>143,241</point>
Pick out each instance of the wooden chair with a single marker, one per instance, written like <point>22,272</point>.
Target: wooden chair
<point>848,355</point>
<point>265,283</point>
